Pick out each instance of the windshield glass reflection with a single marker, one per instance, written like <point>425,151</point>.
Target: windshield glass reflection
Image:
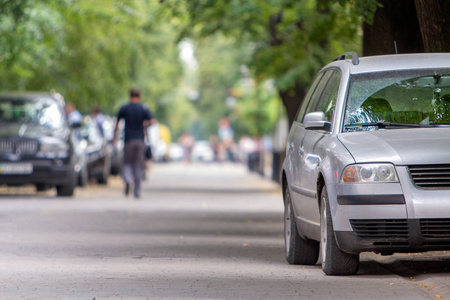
<point>36,112</point>
<point>402,97</point>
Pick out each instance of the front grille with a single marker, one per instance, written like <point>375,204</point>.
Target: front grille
<point>375,229</point>
<point>437,245</point>
<point>435,228</point>
<point>18,146</point>
<point>6,146</point>
<point>404,234</point>
<point>431,176</point>
<point>26,147</point>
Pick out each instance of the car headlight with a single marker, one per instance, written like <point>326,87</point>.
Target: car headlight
<point>369,173</point>
<point>54,150</point>
<point>54,147</point>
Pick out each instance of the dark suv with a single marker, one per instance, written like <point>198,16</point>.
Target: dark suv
<point>36,142</point>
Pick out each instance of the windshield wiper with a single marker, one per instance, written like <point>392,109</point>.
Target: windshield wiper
<point>383,124</point>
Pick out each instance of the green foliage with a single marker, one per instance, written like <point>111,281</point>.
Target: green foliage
<point>257,110</point>
<point>364,8</point>
<point>291,39</point>
<point>91,52</point>
<point>287,41</point>
<point>182,115</point>
<point>29,40</point>
<point>219,62</point>
<point>94,51</point>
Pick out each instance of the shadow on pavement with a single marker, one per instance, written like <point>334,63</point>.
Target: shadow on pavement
<point>413,265</point>
<point>26,194</point>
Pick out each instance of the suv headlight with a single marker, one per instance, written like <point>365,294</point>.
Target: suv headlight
<point>53,150</point>
<point>369,173</point>
<point>54,147</point>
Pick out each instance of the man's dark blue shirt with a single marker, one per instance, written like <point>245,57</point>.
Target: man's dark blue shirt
<point>134,115</point>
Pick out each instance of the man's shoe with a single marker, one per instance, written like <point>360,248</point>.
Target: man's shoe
<point>127,189</point>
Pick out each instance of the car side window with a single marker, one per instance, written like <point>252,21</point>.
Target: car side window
<point>327,101</point>
<point>307,98</point>
<point>314,102</point>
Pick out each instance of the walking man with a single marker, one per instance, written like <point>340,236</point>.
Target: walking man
<point>137,118</point>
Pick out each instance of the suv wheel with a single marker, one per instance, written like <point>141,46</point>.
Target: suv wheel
<point>334,260</point>
<point>299,251</point>
<point>103,177</point>
<point>66,190</point>
<point>83,177</point>
<point>42,187</point>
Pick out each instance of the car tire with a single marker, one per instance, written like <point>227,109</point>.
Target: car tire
<point>299,251</point>
<point>42,187</point>
<point>83,177</point>
<point>66,190</point>
<point>115,169</point>
<point>334,260</point>
<point>103,177</point>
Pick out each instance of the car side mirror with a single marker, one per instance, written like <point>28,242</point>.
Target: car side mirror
<point>316,121</point>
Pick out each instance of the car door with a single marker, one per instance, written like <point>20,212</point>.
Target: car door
<point>309,154</point>
<point>296,136</point>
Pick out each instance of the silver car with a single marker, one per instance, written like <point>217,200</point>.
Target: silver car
<point>368,161</point>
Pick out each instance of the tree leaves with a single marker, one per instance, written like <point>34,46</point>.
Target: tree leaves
<point>90,51</point>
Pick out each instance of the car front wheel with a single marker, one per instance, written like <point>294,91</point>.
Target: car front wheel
<point>66,190</point>
<point>299,251</point>
<point>334,260</point>
<point>103,177</point>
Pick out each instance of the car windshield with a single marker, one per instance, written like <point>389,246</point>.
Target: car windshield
<point>42,112</point>
<point>398,99</point>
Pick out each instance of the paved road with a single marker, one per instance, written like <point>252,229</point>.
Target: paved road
<point>199,232</point>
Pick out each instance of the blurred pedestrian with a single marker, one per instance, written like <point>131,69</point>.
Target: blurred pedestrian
<point>99,118</point>
<point>74,116</point>
<point>215,145</point>
<point>137,118</point>
<point>226,137</point>
<point>187,142</point>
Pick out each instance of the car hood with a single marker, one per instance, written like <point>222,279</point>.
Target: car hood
<point>400,146</point>
<point>31,130</point>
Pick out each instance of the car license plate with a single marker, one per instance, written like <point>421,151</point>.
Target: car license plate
<point>16,169</point>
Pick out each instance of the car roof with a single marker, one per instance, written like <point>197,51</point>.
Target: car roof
<point>32,96</point>
<point>394,62</point>
<point>27,95</point>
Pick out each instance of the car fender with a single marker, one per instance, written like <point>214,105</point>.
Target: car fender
<point>334,158</point>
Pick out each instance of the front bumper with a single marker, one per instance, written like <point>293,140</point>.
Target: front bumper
<point>44,172</point>
<point>395,235</point>
<point>396,217</point>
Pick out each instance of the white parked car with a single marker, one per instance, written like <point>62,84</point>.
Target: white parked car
<point>176,152</point>
<point>202,151</point>
<point>368,163</point>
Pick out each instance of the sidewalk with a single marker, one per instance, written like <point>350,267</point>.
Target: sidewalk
<point>226,187</point>
<point>208,176</point>
<point>196,187</point>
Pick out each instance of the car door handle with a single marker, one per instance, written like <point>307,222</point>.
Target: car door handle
<point>301,151</point>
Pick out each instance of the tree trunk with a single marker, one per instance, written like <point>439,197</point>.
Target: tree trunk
<point>395,25</point>
<point>292,99</point>
<point>433,16</point>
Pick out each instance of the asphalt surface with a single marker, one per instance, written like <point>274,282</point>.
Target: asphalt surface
<point>198,232</point>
